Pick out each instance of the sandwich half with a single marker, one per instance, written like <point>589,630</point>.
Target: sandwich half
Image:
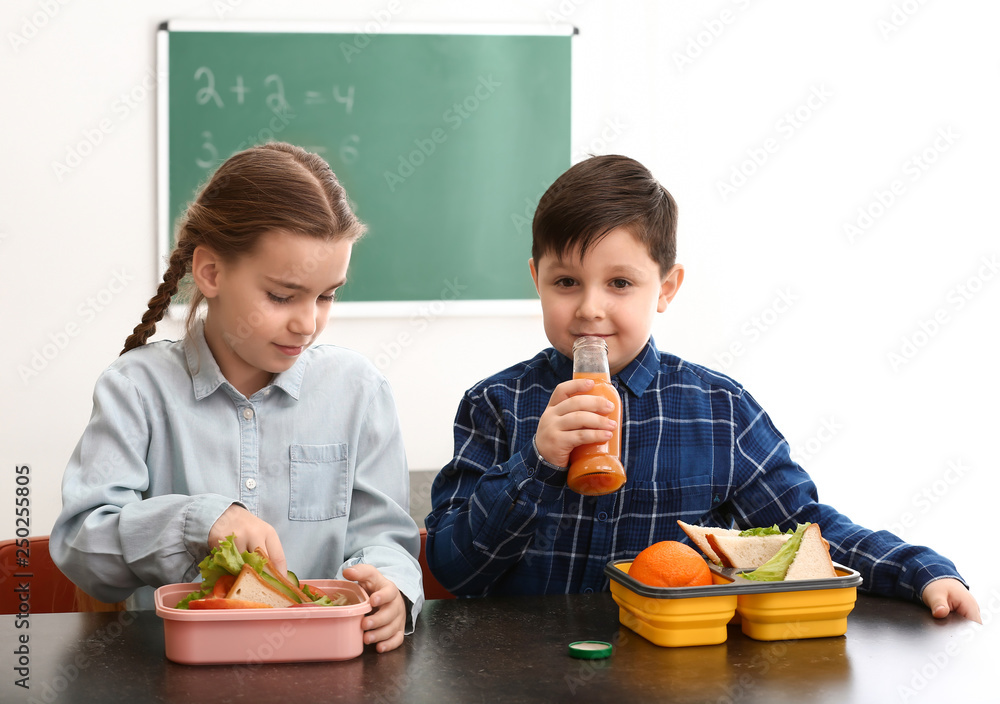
<point>250,586</point>
<point>263,584</point>
<point>699,536</point>
<point>812,559</point>
<point>805,555</point>
<point>749,551</point>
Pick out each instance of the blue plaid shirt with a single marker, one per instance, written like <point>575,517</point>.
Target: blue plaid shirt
<point>696,447</point>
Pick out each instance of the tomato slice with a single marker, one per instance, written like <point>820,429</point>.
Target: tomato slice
<point>222,585</point>
<point>213,602</point>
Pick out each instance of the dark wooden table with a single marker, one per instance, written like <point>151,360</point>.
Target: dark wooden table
<point>514,650</point>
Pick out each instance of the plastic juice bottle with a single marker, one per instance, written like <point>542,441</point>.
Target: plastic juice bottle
<point>594,469</point>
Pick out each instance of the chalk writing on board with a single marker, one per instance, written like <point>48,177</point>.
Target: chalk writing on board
<point>347,100</point>
<point>206,92</point>
<point>209,147</point>
<point>276,100</point>
<point>240,90</point>
<point>349,149</point>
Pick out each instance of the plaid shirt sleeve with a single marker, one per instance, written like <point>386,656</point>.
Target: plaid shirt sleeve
<point>488,500</point>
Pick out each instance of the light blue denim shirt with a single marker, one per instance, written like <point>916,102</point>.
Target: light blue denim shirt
<point>171,444</point>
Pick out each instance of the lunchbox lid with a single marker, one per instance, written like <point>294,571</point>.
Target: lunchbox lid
<point>733,582</point>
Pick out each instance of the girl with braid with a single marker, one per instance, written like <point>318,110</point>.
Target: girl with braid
<point>244,427</point>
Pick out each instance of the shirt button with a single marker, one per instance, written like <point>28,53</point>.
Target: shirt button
<point>248,413</point>
<point>602,516</point>
<point>588,590</point>
<point>251,484</point>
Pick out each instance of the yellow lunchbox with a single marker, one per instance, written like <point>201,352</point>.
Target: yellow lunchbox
<point>682,616</point>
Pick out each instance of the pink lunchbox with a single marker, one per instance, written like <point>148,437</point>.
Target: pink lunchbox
<point>255,636</point>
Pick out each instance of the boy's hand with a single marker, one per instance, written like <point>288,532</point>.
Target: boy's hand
<point>943,596</point>
<point>251,533</point>
<point>572,418</point>
<point>385,623</point>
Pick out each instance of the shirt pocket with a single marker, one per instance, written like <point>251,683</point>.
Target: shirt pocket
<point>318,482</point>
<point>685,497</point>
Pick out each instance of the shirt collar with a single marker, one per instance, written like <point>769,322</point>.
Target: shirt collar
<point>206,376</point>
<point>636,376</point>
<point>290,380</point>
<point>640,372</point>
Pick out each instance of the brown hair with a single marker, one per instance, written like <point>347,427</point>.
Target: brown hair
<point>598,195</point>
<point>274,186</point>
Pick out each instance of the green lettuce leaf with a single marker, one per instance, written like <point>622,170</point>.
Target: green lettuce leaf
<point>224,559</point>
<point>323,600</point>
<point>254,560</point>
<point>773,530</point>
<point>227,556</point>
<point>183,603</point>
<point>210,572</point>
<point>774,570</point>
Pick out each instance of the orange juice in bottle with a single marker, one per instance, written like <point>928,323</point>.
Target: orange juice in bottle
<point>595,468</point>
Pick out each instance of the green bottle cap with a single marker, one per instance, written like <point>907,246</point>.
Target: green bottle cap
<point>590,649</point>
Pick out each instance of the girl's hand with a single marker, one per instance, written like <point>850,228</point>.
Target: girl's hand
<point>572,418</point>
<point>251,533</point>
<point>384,624</point>
<point>943,596</point>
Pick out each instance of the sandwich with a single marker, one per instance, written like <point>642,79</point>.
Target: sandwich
<point>234,580</point>
<point>805,555</point>
<point>767,553</point>
<point>749,548</point>
<point>730,547</point>
<point>251,585</point>
<point>699,536</point>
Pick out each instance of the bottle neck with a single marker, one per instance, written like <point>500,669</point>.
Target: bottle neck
<point>590,356</point>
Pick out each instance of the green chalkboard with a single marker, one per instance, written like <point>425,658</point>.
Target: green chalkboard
<point>444,141</point>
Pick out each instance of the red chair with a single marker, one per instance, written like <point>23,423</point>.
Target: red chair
<point>432,587</point>
<point>48,590</point>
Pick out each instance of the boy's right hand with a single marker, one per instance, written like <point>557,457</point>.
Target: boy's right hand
<point>572,418</point>
<point>251,533</point>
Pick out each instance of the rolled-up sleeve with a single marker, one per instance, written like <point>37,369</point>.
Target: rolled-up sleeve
<point>487,502</point>
<point>107,539</point>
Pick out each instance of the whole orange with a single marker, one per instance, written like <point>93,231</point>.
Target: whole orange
<point>670,564</point>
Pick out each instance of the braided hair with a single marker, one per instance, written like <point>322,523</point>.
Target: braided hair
<point>275,186</point>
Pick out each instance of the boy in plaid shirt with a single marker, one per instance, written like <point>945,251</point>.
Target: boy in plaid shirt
<point>696,446</point>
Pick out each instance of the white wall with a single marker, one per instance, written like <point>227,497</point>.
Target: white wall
<point>696,90</point>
